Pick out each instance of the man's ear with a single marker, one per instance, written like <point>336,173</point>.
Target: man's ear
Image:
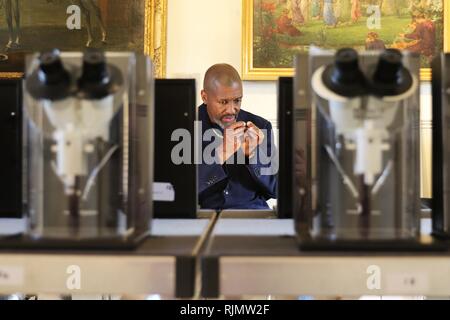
<point>204,96</point>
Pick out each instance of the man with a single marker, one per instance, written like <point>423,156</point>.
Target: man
<point>243,173</point>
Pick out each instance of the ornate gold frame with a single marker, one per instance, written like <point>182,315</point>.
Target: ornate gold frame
<point>156,34</point>
<point>251,73</point>
<point>155,42</point>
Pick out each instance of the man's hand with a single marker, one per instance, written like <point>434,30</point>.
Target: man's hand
<point>252,139</point>
<point>233,137</point>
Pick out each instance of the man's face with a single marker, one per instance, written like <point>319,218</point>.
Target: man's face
<point>223,104</point>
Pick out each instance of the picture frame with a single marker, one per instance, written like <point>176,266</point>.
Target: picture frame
<point>156,35</point>
<point>41,26</point>
<point>254,67</point>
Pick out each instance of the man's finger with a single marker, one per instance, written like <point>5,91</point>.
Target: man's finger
<point>250,125</point>
<point>252,134</point>
<point>255,133</point>
<point>237,125</point>
<point>238,132</point>
<point>253,129</point>
<point>233,132</point>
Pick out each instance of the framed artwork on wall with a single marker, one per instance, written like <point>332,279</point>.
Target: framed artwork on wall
<point>274,31</point>
<point>72,25</point>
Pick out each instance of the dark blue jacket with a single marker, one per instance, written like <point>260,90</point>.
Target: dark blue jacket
<point>238,186</point>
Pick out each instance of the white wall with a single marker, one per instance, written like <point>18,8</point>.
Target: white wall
<point>204,32</point>
<point>201,33</point>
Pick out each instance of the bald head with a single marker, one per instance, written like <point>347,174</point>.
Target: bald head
<point>222,94</point>
<point>221,75</point>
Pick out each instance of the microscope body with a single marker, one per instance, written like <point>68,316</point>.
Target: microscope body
<point>357,128</point>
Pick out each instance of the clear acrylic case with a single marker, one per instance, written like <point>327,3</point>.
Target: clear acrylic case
<point>88,147</point>
<point>356,147</point>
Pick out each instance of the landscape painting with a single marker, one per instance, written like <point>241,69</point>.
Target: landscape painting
<point>279,29</point>
<point>72,25</point>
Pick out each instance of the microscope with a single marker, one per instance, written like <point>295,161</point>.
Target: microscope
<point>357,127</point>
<point>88,142</point>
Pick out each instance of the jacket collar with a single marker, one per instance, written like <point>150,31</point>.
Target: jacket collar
<point>206,122</point>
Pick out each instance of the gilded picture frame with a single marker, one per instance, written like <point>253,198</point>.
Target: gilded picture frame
<point>251,71</point>
<point>156,35</point>
<point>41,24</point>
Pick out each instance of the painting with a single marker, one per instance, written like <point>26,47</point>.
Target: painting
<point>72,25</point>
<point>274,31</point>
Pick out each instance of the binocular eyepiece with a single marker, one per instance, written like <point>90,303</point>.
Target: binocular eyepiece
<point>98,79</point>
<point>389,78</point>
<point>52,81</point>
<point>344,77</point>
